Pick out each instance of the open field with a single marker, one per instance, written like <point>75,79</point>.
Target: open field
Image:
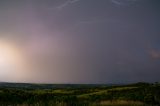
<point>139,94</point>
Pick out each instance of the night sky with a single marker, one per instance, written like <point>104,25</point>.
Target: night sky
<point>79,41</point>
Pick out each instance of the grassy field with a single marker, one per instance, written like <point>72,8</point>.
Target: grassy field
<point>139,94</point>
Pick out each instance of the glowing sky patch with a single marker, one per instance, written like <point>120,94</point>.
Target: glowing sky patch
<point>12,66</point>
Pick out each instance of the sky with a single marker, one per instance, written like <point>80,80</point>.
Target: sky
<point>79,41</point>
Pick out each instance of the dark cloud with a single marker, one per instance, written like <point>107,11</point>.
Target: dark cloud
<point>85,41</point>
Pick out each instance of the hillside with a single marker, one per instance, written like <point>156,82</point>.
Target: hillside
<point>138,94</point>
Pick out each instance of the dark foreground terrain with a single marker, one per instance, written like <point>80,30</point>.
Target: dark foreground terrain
<point>21,94</point>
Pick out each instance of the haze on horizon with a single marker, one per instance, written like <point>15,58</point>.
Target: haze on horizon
<point>79,41</point>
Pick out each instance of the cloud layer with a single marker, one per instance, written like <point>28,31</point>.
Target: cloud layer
<point>84,41</point>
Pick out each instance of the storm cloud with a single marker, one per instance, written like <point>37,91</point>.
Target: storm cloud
<point>84,41</point>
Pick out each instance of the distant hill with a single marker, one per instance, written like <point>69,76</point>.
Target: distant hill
<point>50,86</point>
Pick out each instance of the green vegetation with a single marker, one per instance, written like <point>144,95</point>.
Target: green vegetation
<point>139,94</point>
